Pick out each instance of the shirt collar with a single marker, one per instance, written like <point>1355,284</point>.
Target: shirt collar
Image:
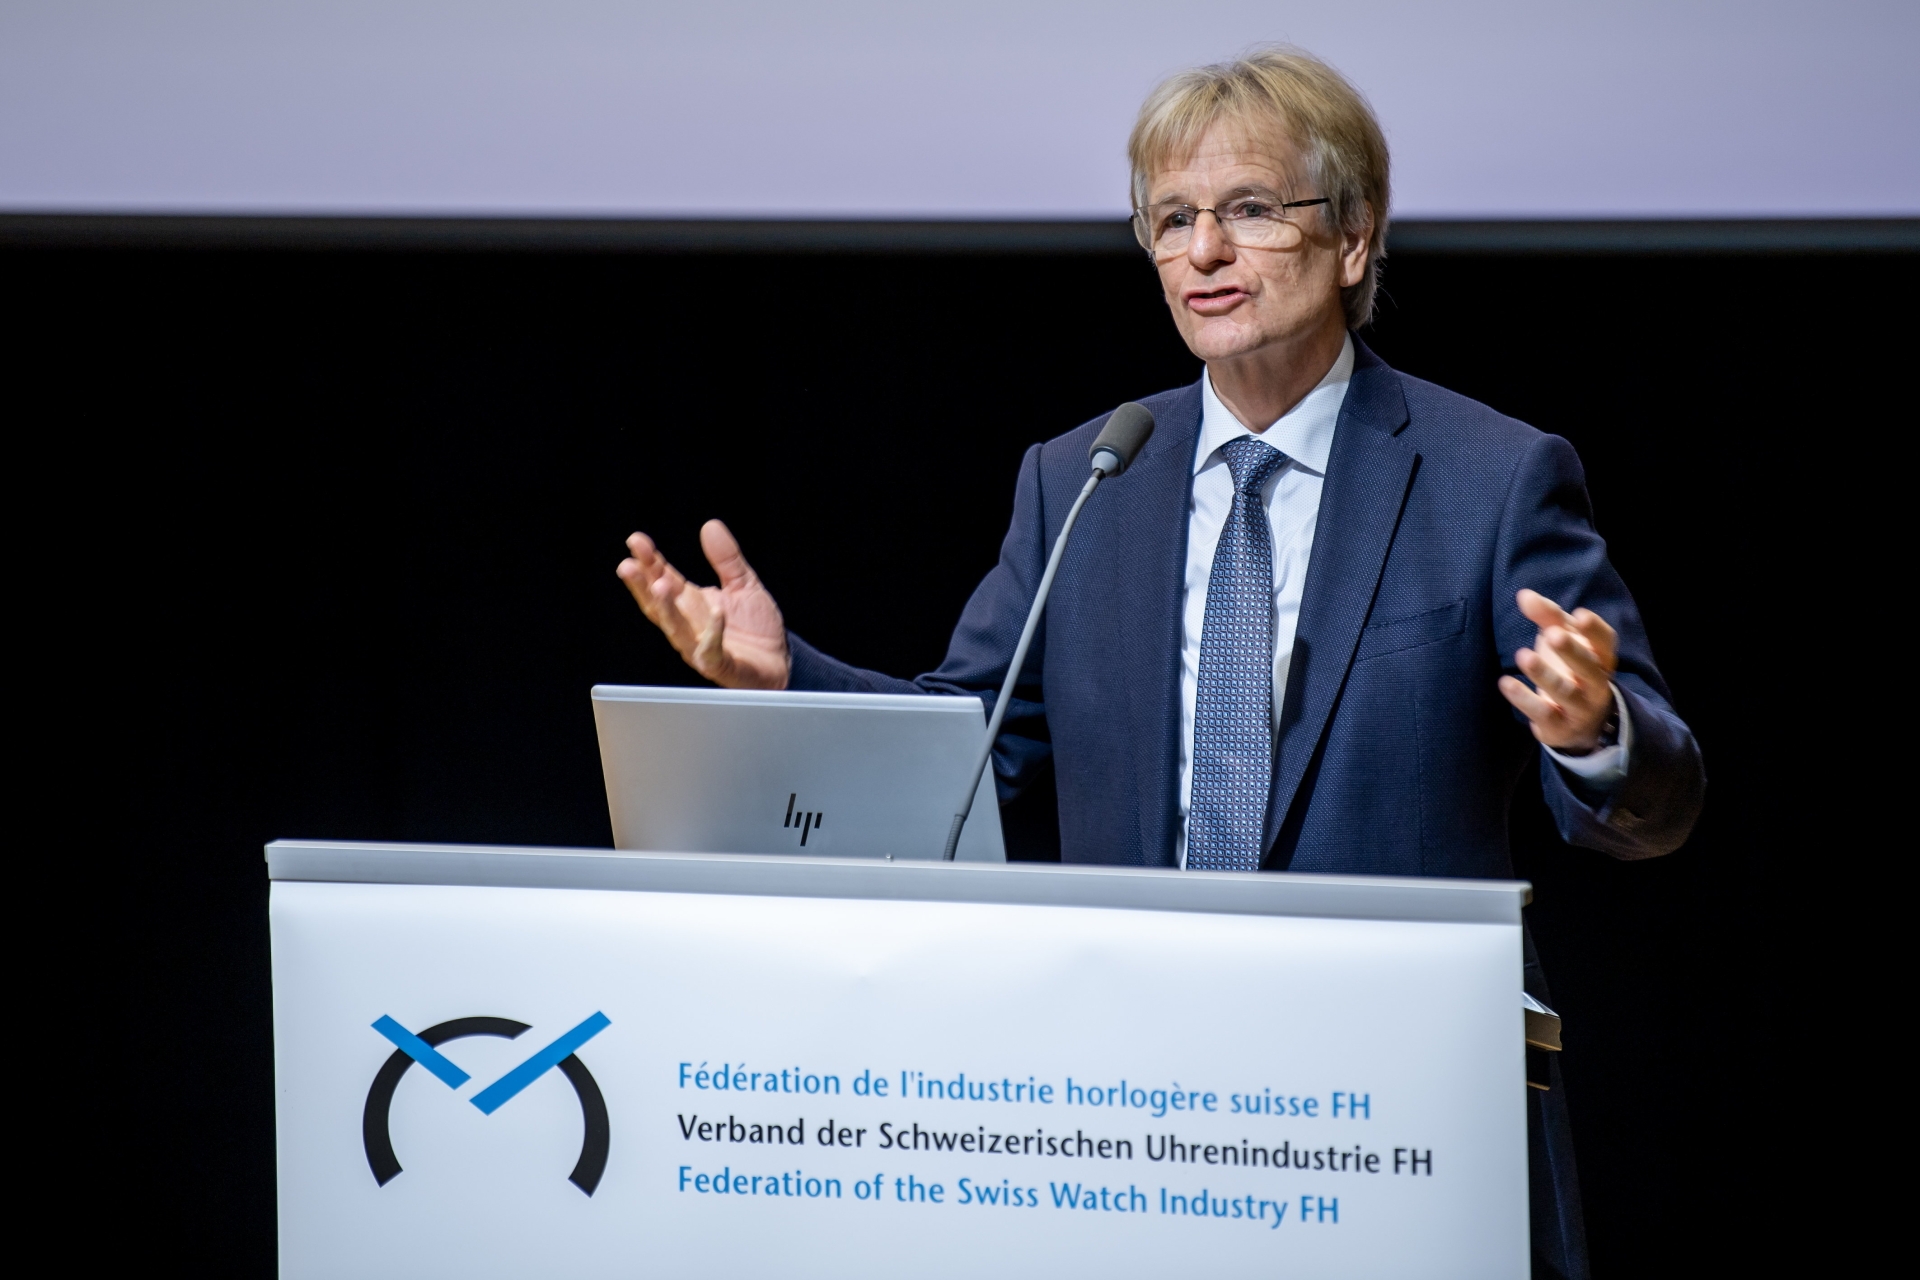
<point>1304,432</point>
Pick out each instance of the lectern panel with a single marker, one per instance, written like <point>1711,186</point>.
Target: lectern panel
<point>487,1080</point>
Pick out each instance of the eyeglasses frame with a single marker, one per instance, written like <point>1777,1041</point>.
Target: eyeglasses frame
<point>1140,215</point>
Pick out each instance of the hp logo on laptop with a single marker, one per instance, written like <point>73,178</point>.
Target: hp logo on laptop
<point>805,821</point>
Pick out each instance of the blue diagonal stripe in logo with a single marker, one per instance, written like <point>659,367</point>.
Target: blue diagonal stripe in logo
<point>423,1053</point>
<point>497,1094</point>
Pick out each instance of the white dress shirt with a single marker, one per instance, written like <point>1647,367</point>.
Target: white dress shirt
<point>1292,499</point>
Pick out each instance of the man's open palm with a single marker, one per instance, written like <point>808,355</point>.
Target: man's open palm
<point>733,633</point>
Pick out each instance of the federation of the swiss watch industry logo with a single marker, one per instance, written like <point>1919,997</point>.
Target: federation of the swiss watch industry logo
<point>424,1048</point>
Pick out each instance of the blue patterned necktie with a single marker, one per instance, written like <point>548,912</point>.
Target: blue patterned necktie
<point>1233,707</point>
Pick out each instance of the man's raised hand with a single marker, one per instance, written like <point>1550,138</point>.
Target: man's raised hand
<point>1571,666</point>
<point>733,633</point>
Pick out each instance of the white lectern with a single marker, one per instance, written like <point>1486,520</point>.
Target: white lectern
<point>517,1062</point>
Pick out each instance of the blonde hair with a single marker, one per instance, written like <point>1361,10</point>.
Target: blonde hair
<point>1323,115</point>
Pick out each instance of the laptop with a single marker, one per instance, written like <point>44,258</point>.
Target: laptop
<point>842,775</point>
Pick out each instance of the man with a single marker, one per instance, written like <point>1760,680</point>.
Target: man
<point>1325,617</point>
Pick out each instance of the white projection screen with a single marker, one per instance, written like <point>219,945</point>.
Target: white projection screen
<point>968,109</point>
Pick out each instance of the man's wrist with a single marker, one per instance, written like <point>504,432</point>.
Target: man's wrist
<point>1607,736</point>
<point>1597,772</point>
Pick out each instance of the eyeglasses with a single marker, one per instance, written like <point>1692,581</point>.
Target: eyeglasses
<point>1250,222</point>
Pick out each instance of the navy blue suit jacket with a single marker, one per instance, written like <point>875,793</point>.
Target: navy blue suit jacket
<point>1396,753</point>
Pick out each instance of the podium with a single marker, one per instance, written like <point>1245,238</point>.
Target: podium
<point>513,1061</point>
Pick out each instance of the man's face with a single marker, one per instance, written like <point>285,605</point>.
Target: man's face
<point>1228,300</point>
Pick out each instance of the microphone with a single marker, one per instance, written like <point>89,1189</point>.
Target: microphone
<point>1113,451</point>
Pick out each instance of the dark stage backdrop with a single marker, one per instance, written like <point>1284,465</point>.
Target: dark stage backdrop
<point>331,537</point>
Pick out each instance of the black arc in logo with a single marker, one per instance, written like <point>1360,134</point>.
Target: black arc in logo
<point>378,1141</point>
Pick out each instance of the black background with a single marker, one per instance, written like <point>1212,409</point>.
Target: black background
<point>326,539</point>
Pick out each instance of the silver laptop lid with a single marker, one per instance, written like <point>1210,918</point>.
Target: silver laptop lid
<point>848,775</point>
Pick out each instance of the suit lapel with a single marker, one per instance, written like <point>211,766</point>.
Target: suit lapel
<point>1368,474</point>
<point>1149,575</point>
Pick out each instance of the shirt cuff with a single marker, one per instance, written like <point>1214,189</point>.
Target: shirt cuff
<point>1605,769</point>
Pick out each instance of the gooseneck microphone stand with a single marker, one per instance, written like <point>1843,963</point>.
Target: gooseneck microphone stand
<point>1126,431</point>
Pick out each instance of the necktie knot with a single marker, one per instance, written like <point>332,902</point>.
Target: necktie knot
<point>1252,463</point>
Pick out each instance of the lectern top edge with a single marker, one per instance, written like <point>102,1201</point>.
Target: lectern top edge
<point>1036,884</point>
